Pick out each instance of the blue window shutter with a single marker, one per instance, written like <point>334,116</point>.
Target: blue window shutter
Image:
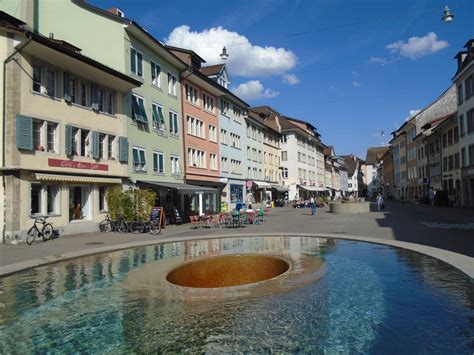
<point>94,97</point>
<point>68,142</point>
<point>123,149</point>
<point>24,132</point>
<point>95,145</point>
<point>133,60</point>
<point>67,93</point>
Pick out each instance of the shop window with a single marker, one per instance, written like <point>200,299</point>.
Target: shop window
<point>79,203</point>
<point>44,200</point>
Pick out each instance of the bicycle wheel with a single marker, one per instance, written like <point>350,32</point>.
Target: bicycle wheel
<point>122,227</point>
<point>30,238</point>
<point>137,227</point>
<point>47,231</point>
<point>155,227</point>
<point>105,226</point>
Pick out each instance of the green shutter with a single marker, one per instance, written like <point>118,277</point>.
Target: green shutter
<point>24,132</point>
<point>94,97</point>
<point>142,114</point>
<point>139,64</point>
<point>95,145</point>
<point>133,60</point>
<point>68,142</point>
<point>160,163</point>
<point>67,92</point>
<point>123,149</point>
<point>155,118</point>
<point>136,158</point>
<point>175,124</point>
<point>161,119</point>
<point>142,157</point>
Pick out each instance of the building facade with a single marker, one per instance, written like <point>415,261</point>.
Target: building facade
<point>464,82</point>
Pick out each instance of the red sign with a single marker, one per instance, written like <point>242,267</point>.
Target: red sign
<point>77,164</point>
<point>249,184</point>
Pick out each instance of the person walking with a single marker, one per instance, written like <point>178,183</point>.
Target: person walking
<point>380,204</point>
<point>312,204</point>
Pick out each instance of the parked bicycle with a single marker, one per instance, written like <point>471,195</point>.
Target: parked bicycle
<point>108,225</point>
<point>152,226</point>
<point>46,232</point>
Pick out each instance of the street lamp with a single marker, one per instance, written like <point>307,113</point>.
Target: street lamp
<point>448,16</point>
<point>224,54</point>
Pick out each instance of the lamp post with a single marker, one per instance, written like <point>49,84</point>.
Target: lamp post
<point>448,16</point>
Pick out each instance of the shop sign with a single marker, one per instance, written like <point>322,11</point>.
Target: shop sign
<point>77,164</point>
<point>249,184</point>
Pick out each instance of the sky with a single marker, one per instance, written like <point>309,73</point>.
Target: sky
<point>351,68</point>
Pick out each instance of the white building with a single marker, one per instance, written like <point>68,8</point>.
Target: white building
<point>371,165</point>
<point>464,81</point>
<point>355,184</point>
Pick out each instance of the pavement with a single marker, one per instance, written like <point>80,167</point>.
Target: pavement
<point>445,233</point>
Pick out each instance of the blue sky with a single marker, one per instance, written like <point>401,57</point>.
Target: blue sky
<point>350,68</point>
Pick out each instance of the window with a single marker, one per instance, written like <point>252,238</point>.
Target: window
<point>471,155</point>
<point>451,162</point>
<point>235,140</point>
<point>259,156</point>
<point>223,136</point>
<point>236,193</point>
<point>445,164</point>
<point>460,98</point>
<point>208,102</point>
<point>158,118</point>
<point>461,125</point>
<point>456,161</point>
<point>171,84</point>
<point>450,137</point>
<point>102,199</point>
<point>284,173</point>
<point>456,134</point>
<point>50,82</point>
<point>224,107</point>
<point>463,157</point>
<point>173,123</point>
<point>138,109</point>
<point>102,145</point>
<point>110,102</point>
<point>284,138</point>
<point>469,86</point>
<point>470,121</point>
<point>139,162</point>
<point>174,165</point>
<point>155,74</point>
<point>213,161</point>
<point>237,112</point>
<point>212,133</point>
<point>136,59</point>
<point>44,199</point>
<point>236,166</point>
<point>158,163</point>
<point>83,94</point>
<point>44,136</point>
<point>445,140</point>
<point>195,127</point>
<point>101,99</point>
<point>37,78</point>
<point>80,202</point>
<point>224,166</point>
<point>196,158</point>
<point>110,147</point>
<point>191,94</point>
<point>72,89</point>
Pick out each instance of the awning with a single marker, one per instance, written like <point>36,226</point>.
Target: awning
<point>182,188</point>
<point>280,188</point>
<point>313,188</point>
<point>262,184</point>
<point>77,178</point>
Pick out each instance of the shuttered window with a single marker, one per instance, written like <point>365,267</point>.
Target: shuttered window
<point>136,62</point>
<point>173,123</point>
<point>158,118</point>
<point>24,132</point>
<point>138,109</point>
<point>139,161</point>
<point>158,162</point>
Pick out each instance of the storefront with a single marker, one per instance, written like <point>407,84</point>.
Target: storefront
<point>188,199</point>
<point>307,191</point>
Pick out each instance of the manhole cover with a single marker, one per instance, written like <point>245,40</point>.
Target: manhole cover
<point>94,243</point>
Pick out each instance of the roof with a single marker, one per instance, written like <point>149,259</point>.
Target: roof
<point>469,58</point>
<point>188,51</point>
<point>374,154</point>
<point>437,121</point>
<point>350,162</point>
<point>212,69</point>
<point>328,150</point>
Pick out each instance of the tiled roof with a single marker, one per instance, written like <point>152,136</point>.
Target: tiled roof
<point>374,154</point>
<point>212,69</point>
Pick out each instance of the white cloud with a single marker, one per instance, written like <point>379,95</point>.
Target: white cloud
<point>411,113</point>
<point>379,60</point>
<point>291,79</point>
<point>245,59</point>
<point>356,83</point>
<point>253,90</point>
<point>417,47</point>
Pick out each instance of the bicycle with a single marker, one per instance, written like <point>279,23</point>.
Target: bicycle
<point>46,231</point>
<point>107,224</point>
<point>152,226</point>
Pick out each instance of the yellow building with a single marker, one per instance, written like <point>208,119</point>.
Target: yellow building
<point>64,133</point>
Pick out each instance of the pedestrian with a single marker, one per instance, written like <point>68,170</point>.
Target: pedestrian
<point>380,203</point>
<point>312,203</point>
<point>431,196</point>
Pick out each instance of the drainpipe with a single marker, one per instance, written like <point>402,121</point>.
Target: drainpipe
<point>4,115</point>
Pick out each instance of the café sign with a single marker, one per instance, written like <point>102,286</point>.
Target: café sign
<point>77,164</point>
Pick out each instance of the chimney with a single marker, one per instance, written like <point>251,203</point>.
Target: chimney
<point>460,57</point>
